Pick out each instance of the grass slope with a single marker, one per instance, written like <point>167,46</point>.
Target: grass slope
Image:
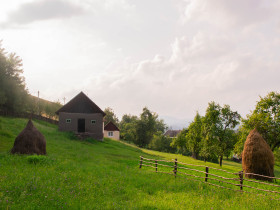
<point>102,175</point>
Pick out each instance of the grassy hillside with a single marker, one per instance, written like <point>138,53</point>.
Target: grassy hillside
<point>103,175</point>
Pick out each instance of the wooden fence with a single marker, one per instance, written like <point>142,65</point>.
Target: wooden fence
<point>236,180</point>
<point>29,116</point>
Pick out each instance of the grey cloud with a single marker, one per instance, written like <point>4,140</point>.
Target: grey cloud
<point>42,10</point>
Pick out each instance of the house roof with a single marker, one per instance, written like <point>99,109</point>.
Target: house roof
<point>110,126</point>
<point>172,133</point>
<point>80,104</point>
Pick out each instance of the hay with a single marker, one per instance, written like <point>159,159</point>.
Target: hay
<point>257,157</point>
<point>30,141</point>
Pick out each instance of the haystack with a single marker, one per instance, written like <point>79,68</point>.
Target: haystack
<point>30,141</point>
<point>257,157</point>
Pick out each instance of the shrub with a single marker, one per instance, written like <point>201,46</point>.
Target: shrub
<point>35,159</point>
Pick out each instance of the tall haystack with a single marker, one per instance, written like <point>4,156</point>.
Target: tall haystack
<point>257,157</point>
<point>30,141</point>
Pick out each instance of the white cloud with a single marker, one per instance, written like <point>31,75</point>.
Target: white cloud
<point>128,56</point>
<point>196,73</point>
<point>229,13</point>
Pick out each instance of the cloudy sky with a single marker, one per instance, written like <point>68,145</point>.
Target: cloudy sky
<point>173,56</point>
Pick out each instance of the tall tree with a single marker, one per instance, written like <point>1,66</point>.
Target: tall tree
<point>145,127</point>
<point>128,127</point>
<point>266,119</point>
<point>141,130</point>
<point>180,142</point>
<point>194,136</point>
<point>110,116</point>
<point>161,143</point>
<point>219,123</point>
<point>13,93</point>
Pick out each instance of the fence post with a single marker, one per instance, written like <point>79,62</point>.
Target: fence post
<point>241,179</point>
<point>156,165</point>
<point>175,167</point>
<point>141,160</point>
<point>206,174</point>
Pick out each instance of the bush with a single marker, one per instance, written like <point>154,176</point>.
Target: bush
<point>35,159</point>
<point>161,143</point>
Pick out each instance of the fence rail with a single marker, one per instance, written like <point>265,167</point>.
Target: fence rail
<point>236,179</point>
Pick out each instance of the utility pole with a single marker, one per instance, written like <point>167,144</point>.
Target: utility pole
<point>38,107</point>
<point>64,100</point>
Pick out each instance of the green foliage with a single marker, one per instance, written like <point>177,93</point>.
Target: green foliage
<point>219,137</point>
<point>241,138</point>
<point>13,94</point>
<point>266,119</point>
<point>141,130</point>
<point>110,116</point>
<point>128,128</point>
<point>194,136</point>
<point>35,159</point>
<point>145,128</point>
<point>180,143</point>
<point>277,156</point>
<point>161,143</point>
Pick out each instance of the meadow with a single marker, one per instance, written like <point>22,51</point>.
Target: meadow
<point>104,175</point>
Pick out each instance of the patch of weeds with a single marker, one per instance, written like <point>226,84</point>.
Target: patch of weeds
<point>39,159</point>
<point>71,136</point>
<point>90,140</point>
<point>6,133</point>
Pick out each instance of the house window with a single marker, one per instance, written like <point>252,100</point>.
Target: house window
<point>68,120</point>
<point>93,121</point>
<point>110,133</point>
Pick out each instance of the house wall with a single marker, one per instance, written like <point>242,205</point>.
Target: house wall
<point>95,130</point>
<point>116,135</point>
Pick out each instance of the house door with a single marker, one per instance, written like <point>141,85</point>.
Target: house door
<point>81,125</point>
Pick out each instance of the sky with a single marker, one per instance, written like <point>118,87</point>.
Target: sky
<point>172,56</point>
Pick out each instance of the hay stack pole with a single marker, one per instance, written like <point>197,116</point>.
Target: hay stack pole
<point>30,141</point>
<point>257,157</point>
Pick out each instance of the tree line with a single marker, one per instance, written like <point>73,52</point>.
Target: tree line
<point>211,137</point>
<point>14,95</point>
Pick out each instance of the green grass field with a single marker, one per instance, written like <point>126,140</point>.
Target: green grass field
<point>105,175</point>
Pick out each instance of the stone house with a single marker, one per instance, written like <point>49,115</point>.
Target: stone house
<point>82,115</point>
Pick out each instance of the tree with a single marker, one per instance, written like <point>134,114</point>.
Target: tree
<point>110,116</point>
<point>180,142</point>
<point>141,130</point>
<point>145,127</point>
<point>160,125</point>
<point>161,143</point>
<point>13,93</point>
<point>218,125</point>
<point>128,128</point>
<point>266,119</point>
<point>241,136</point>
<point>194,136</point>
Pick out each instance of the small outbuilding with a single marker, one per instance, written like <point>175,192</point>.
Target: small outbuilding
<point>29,141</point>
<point>111,131</point>
<point>172,133</point>
<point>81,115</point>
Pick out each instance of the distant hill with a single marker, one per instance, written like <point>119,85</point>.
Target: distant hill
<point>176,123</point>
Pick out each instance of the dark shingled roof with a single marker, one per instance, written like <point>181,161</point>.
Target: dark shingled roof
<point>80,104</point>
<point>111,127</point>
<point>172,133</point>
